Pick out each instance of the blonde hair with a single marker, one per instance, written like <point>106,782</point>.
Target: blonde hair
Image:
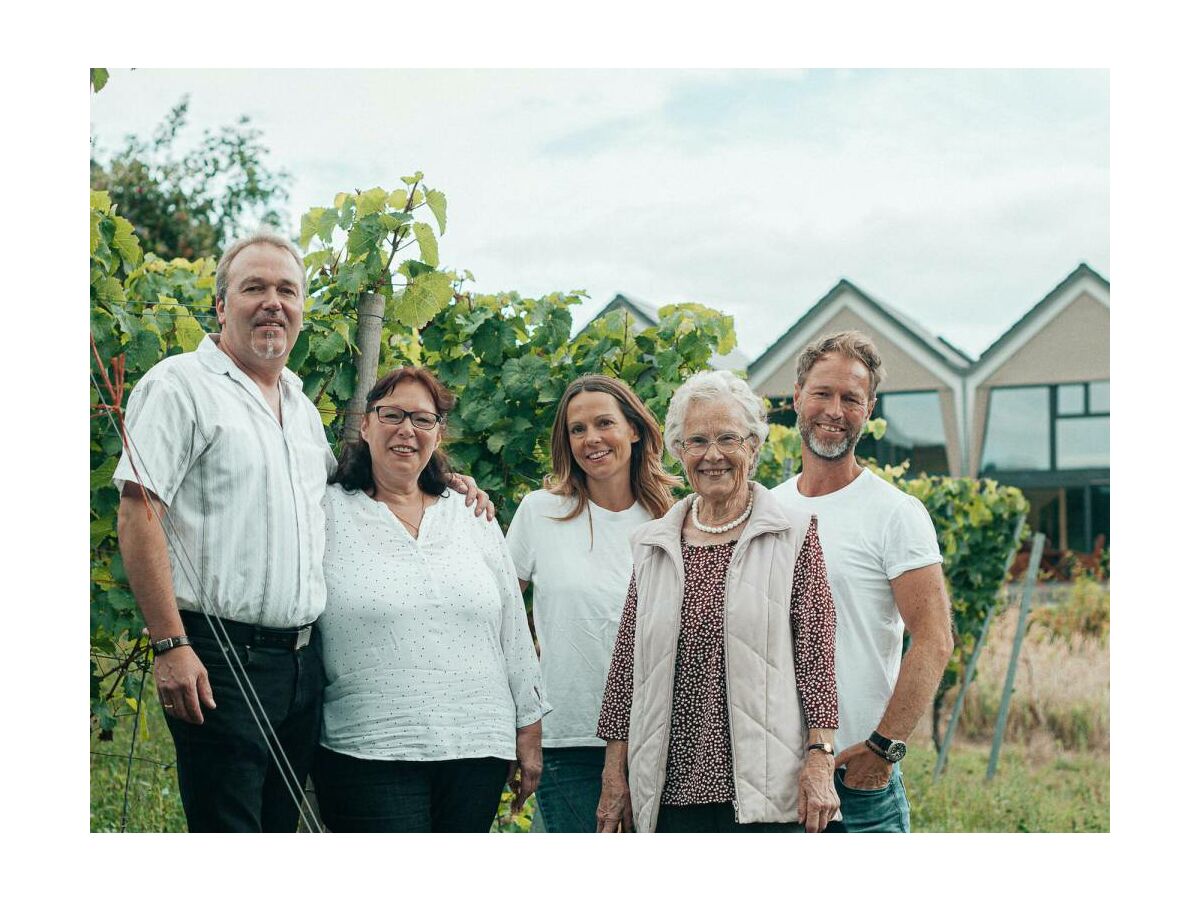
<point>650,482</point>
<point>851,344</point>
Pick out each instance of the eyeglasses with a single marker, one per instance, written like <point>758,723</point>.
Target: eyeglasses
<point>394,415</point>
<point>726,443</point>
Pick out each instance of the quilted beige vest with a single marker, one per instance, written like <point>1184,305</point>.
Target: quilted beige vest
<point>766,722</point>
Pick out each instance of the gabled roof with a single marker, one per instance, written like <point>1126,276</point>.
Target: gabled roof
<point>945,351</point>
<point>639,309</point>
<point>1082,271</point>
<point>647,316</point>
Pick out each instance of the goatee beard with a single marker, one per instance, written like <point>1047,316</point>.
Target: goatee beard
<point>269,348</point>
<point>829,451</point>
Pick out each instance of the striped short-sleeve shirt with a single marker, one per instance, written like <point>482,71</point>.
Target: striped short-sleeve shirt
<point>245,529</point>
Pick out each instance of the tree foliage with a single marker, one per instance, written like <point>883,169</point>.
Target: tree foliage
<point>373,241</point>
<point>507,357</point>
<point>142,309</point>
<point>510,358</point>
<point>189,203</point>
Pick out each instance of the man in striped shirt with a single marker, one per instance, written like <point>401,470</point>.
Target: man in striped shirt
<point>221,533</point>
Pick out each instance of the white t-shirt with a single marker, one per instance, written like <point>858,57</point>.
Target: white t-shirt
<point>871,532</point>
<point>580,580</point>
<point>427,649</point>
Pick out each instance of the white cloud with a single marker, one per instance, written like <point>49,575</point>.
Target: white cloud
<point>961,197</point>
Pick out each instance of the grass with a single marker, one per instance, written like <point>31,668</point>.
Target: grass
<point>153,793</point>
<point>1033,790</point>
<point>1030,792</point>
<point>1053,773</point>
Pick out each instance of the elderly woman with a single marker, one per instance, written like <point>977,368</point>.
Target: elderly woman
<point>721,702</point>
<point>433,686</point>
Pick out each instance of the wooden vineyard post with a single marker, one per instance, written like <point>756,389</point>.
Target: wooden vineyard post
<point>969,672</point>
<point>1035,559</point>
<point>370,329</point>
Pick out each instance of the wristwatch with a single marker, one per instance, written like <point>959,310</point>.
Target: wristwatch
<point>892,751</point>
<point>180,640</point>
<point>824,748</point>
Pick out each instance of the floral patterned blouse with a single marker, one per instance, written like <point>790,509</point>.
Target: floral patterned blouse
<point>700,758</point>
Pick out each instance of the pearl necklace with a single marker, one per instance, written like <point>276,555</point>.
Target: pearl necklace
<point>719,529</point>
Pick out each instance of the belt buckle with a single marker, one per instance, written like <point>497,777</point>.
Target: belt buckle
<point>303,636</point>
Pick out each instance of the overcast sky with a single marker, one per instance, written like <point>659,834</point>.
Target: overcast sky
<point>959,197</point>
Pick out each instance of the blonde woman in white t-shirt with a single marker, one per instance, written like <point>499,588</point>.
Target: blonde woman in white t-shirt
<point>571,541</point>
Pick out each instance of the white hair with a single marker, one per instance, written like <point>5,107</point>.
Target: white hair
<point>721,386</point>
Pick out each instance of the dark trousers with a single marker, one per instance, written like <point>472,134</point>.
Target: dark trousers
<point>457,795</point>
<point>228,780</point>
<point>719,817</point>
<point>569,792</point>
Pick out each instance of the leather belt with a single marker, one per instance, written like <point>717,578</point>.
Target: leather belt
<point>197,625</point>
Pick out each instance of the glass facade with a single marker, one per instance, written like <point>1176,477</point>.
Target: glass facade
<point>1018,430</point>
<point>1052,441</point>
<point>1082,443</point>
<point>916,431</point>
<point>1046,427</point>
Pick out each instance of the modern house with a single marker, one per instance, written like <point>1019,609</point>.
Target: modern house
<point>921,398</point>
<point>1037,411</point>
<point>1032,411</point>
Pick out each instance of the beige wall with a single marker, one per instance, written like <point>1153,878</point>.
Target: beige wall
<point>903,372</point>
<point>1073,346</point>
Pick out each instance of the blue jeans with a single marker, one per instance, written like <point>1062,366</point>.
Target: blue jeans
<point>569,792</point>
<point>885,809</point>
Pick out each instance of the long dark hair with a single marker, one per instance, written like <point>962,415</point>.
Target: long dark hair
<point>650,482</point>
<point>354,467</point>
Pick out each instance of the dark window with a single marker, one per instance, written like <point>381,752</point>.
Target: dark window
<point>1019,436</point>
<point>1018,429</point>
<point>781,412</point>
<point>916,431</point>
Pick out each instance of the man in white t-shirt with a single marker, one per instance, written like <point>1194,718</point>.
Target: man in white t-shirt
<point>884,567</point>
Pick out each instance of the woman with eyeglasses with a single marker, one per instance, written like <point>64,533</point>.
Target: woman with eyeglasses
<point>721,701</point>
<point>433,697</point>
<point>571,541</point>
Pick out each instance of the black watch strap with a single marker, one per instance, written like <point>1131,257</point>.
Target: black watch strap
<point>180,640</point>
<point>886,748</point>
<point>824,748</point>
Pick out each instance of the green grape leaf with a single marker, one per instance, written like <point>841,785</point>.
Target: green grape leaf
<point>328,346</point>
<point>437,205</point>
<point>423,298</point>
<point>372,201</point>
<point>427,242</point>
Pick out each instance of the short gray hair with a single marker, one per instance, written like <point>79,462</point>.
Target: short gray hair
<point>259,237</point>
<point>718,385</point>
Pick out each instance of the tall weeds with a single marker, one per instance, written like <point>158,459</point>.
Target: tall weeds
<point>1061,694</point>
